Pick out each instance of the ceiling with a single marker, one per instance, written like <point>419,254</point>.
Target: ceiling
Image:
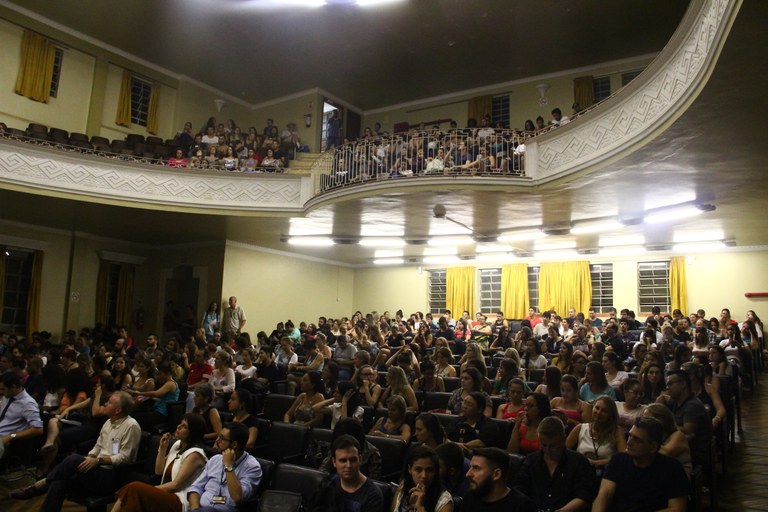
<point>257,52</point>
<point>714,152</point>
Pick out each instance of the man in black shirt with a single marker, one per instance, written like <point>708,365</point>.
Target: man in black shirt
<point>488,489</point>
<point>553,477</point>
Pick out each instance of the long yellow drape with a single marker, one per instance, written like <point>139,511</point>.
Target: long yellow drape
<point>460,289</point>
<point>36,68</point>
<point>584,91</point>
<point>124,306</point>
<point>123,116</point>
<point>479,107</point>
<point>564,285</point>
<point>514,290</point>
<point>33,299</point>
<point>678,284</point>
<point>152,111</point>
<point>102,292</point>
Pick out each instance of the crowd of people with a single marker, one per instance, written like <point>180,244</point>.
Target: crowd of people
<point>606,411</point>
<point>226,146</point>
<point>482,148</point>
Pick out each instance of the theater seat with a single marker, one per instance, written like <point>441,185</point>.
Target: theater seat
<point>285,442</point>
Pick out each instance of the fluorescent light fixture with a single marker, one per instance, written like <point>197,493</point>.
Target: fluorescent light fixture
<point>554,255</point>
<point>531,234</point>
<point>388,261</point>
<point>672,214</point>
<point>500,248</point>
<point>311,241</point>
<point>687,236</point>
<point>388,253</point>
<point>446,241</point>
<point>382,242</point>
<point>614,241</point>
<point>622,251</point>
<point>495,256</point>
<point>301,3</point>
<point>434,260</point>
<point>596,227</point>
<point>554,246</point>
<point>439,251</point>
<point>301,227</point>
<point>656,201</point>
<point>699,247</point>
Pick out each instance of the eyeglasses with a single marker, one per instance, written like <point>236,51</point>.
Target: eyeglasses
<point>223,438</point>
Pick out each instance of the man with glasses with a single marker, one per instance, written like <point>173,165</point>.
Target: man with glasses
<point>691,415</point>
<point>229,478</point>
<point>553,477</point>
<point>641,478</point>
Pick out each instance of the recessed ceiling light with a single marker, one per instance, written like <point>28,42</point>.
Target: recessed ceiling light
<point>530,234</point>
<point>596,227</point>
<point>311,241</point>
<point>382,242</point>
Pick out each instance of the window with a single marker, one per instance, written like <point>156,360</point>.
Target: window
<point>628,76</point>
<point>56,72</point>
<point>500,110</point>
<point>653,285</point>
<point>437,291</point>
<point>533,285</point>
<point>602,286</point>
<point>490,290</point>
<point>18,277</point>
<point>602,87</point>
<point>140,92</point>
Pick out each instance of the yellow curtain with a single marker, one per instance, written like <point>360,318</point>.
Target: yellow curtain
<point>102,292</point>
<point>33,299</point>
<point>124,306</point>
<point>479,107</point>
<point>460,289</point>
<point>564,285</point>
<point>152,115</point>
<point>678,284</point>
<point>123,117</point>
<point>514,290</point>
<point>583,91</point>
<point>36,68</point>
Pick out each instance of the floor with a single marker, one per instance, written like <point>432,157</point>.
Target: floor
<point>742,489</point>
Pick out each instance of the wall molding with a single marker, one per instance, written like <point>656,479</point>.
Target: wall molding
<point>644,108</point>
<point>37,169</point>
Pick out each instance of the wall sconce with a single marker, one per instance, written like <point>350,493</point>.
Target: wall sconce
<point>219,104</point>
<point>307,120</point>
<point>543,88</point>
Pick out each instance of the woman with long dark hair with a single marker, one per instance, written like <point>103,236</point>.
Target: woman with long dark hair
<point>178,468</point>
<point>420,488</point>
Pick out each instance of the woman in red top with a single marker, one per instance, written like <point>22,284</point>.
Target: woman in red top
<point>525,436</point>
<point>178,160</point>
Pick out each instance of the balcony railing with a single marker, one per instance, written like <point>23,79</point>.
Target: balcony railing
<point>470,152</point>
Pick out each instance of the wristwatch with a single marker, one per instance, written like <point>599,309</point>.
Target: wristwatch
<point>13,436</point>
<point>229,469</point>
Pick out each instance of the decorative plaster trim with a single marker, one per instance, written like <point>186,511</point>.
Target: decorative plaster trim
<point>94,178</point>
<point>649,104</point>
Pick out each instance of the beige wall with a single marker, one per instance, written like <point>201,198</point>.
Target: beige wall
<point>195,104</point>
<point>275,287</point>
<point>523,99</point>
<point>389,289</point>
<point>69,110</point>
<point>293,110</point>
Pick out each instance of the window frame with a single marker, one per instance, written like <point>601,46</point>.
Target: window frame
<point>500,110</point>
<point>601,87</point>
<point>436,294</point>
<point>17,286</point>
<point>141,91</point>
<point>58,61</point>
<point>602,286</point>
<point>489,280</point>
<point>658,272</point>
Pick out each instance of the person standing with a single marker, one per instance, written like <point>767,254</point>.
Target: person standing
<point>233,320</point>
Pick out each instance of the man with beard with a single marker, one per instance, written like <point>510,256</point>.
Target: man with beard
<point>488,491</point>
